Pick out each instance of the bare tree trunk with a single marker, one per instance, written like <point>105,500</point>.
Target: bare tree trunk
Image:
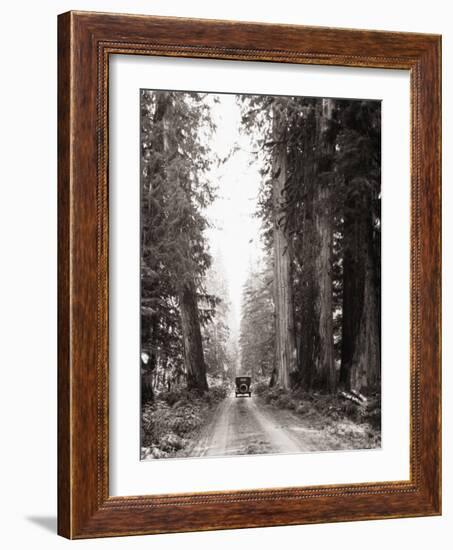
<point>308,345</point>
<point>324,229</point>
<point>317,366</point>
<point>147,393</point>
<point>286,356</point>
<point>353,284</point>
<point>365,371</point>
<point>193,346</point>
<point>325,375</point>
<point>361,362</point>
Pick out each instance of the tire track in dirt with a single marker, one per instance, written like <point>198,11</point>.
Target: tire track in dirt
<point>242,426</point>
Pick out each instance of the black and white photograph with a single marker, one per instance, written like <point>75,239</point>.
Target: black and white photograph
<point>260,274</point>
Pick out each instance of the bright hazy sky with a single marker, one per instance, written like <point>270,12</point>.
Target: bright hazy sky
<point>236,232</point>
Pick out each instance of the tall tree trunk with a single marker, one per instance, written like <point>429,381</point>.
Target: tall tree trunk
<point>360,361</point>
<point>308,347</point>
<point>286,353</point>
<point>150,337</point>
<point>353,283</point>
<point>365,371</point>
<point>147,393</point>
<point>148,369</point>
<point>325,375</point>
<point>193,346</point>
<point>317,366</point>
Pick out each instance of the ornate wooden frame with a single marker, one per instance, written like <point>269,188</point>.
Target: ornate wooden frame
<point>85,42</point>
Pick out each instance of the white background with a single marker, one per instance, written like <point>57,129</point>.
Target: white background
<point>28,274</point>
<point>129,476</point>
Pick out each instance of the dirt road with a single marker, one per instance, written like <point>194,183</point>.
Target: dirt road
<point>246,426</point>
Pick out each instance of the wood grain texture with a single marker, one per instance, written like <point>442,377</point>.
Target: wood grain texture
<point>64,370</point>
<point>86,40</point>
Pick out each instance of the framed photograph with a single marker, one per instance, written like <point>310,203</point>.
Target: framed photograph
<point>249,275</point>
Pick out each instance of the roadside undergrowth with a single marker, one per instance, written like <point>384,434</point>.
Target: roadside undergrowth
<point>353,425</point>
<point>173,419</point>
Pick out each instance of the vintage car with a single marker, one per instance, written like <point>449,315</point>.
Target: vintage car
<point>243,386</point>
